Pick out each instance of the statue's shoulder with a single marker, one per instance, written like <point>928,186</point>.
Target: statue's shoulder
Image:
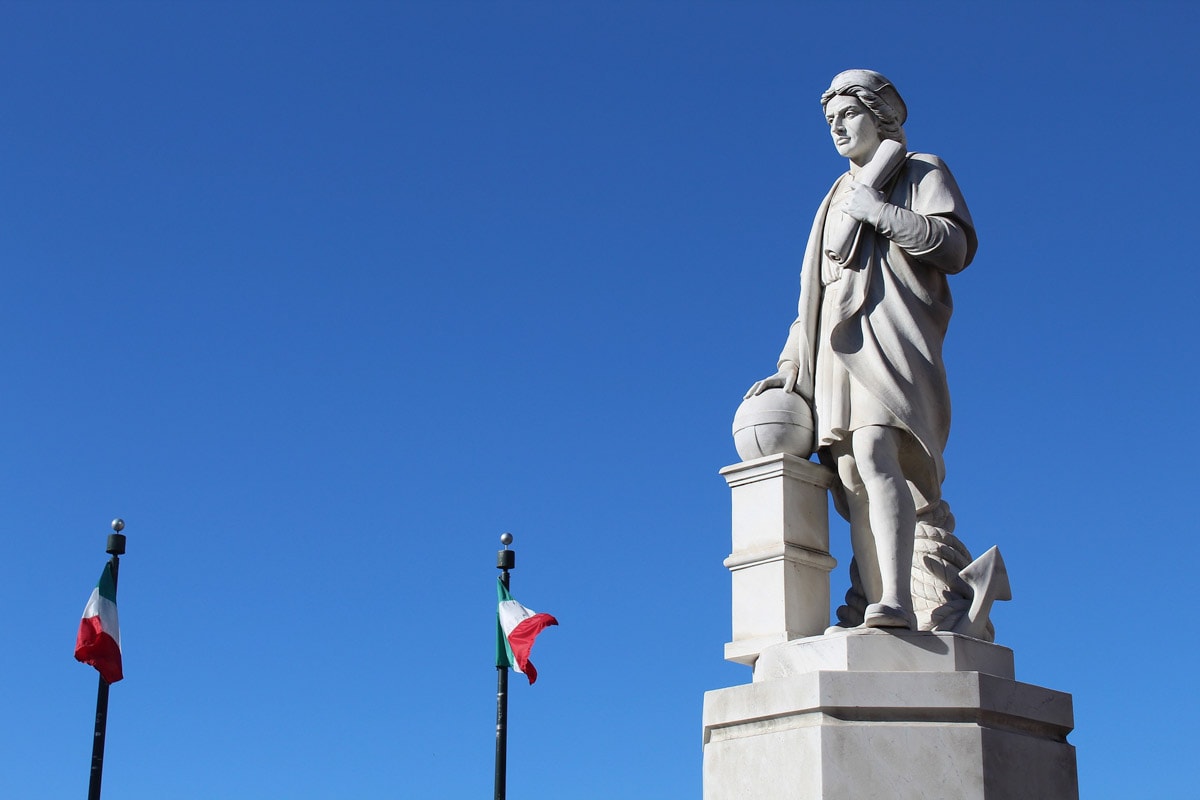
<point>926,160</point>
<point>926,166</point>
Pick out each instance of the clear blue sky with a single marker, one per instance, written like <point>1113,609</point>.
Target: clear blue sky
<point>322,297</point>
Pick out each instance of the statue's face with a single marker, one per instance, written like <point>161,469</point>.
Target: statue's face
<point>853,128</point>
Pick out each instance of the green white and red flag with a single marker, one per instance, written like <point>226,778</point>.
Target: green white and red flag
<point>517,627</point>
<point>99,639</point>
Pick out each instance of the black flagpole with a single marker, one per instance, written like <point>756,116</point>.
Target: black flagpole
<point>505,560</point>
<point>115,548</point>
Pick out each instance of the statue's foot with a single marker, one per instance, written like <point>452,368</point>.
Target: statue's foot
<point>832,629</point>
<point>881,615</point>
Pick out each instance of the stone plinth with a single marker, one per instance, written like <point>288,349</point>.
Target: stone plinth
<point>780,561</point>
<point>872,714</point>
<point>877,650</point>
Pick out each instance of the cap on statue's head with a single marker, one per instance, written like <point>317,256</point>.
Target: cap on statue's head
<point>871,81</point>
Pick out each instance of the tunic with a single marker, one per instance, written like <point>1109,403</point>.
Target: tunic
<point>868,334</point>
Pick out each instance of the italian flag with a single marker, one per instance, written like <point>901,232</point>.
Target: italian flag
<point>517,627</point>
<point>99,640</point>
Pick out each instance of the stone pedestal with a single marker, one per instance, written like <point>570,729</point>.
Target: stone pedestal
<point>897,715</point>
<point>780,560</point>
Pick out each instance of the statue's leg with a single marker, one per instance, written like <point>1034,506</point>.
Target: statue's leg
<point>862,540</point>
<point>893,520</point>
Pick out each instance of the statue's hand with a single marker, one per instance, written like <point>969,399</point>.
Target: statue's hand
<point>784,379</point>
<point>862,203</point>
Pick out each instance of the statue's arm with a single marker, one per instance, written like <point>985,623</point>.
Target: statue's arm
<point>794,368</point>
<point>938,241</point>
<point>935,230</point>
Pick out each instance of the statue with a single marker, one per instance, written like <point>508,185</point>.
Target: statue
<point>865,351</point>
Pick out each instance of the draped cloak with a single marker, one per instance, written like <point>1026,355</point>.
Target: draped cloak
<point>889,314</point>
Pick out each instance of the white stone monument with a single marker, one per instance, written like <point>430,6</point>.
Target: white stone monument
<point>905,696</point>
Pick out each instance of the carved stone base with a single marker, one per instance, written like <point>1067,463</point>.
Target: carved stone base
<point>780,562</point>
<point>876,714</point>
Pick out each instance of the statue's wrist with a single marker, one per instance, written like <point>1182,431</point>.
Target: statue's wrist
<point>875,218</point>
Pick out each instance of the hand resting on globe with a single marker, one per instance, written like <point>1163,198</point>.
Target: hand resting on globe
<point>784,379</point>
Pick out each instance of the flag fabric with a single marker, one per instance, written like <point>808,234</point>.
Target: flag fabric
<point>517,627</point>
<point>99,639</point>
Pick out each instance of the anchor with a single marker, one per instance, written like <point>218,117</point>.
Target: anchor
<point>988,578</point>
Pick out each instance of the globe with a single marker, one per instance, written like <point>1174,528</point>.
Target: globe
<point>771,423</point>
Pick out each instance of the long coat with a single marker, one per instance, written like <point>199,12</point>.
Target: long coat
<point>892,309</point>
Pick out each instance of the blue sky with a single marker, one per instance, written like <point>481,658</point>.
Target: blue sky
<point>321,298</point>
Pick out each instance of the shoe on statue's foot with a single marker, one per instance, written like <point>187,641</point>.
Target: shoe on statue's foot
<point>880,615</point>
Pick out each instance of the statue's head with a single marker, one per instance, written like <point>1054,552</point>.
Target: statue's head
<point>876,94</point>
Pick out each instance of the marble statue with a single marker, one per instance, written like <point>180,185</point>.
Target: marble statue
<point>907,695</point>
<point>865,351</point>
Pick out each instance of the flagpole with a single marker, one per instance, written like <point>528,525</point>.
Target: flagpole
<point>505,560</point>
<point>115,548</point>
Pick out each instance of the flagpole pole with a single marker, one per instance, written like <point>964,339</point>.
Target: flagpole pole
<point>115,547</point>
<point>505,560</point>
